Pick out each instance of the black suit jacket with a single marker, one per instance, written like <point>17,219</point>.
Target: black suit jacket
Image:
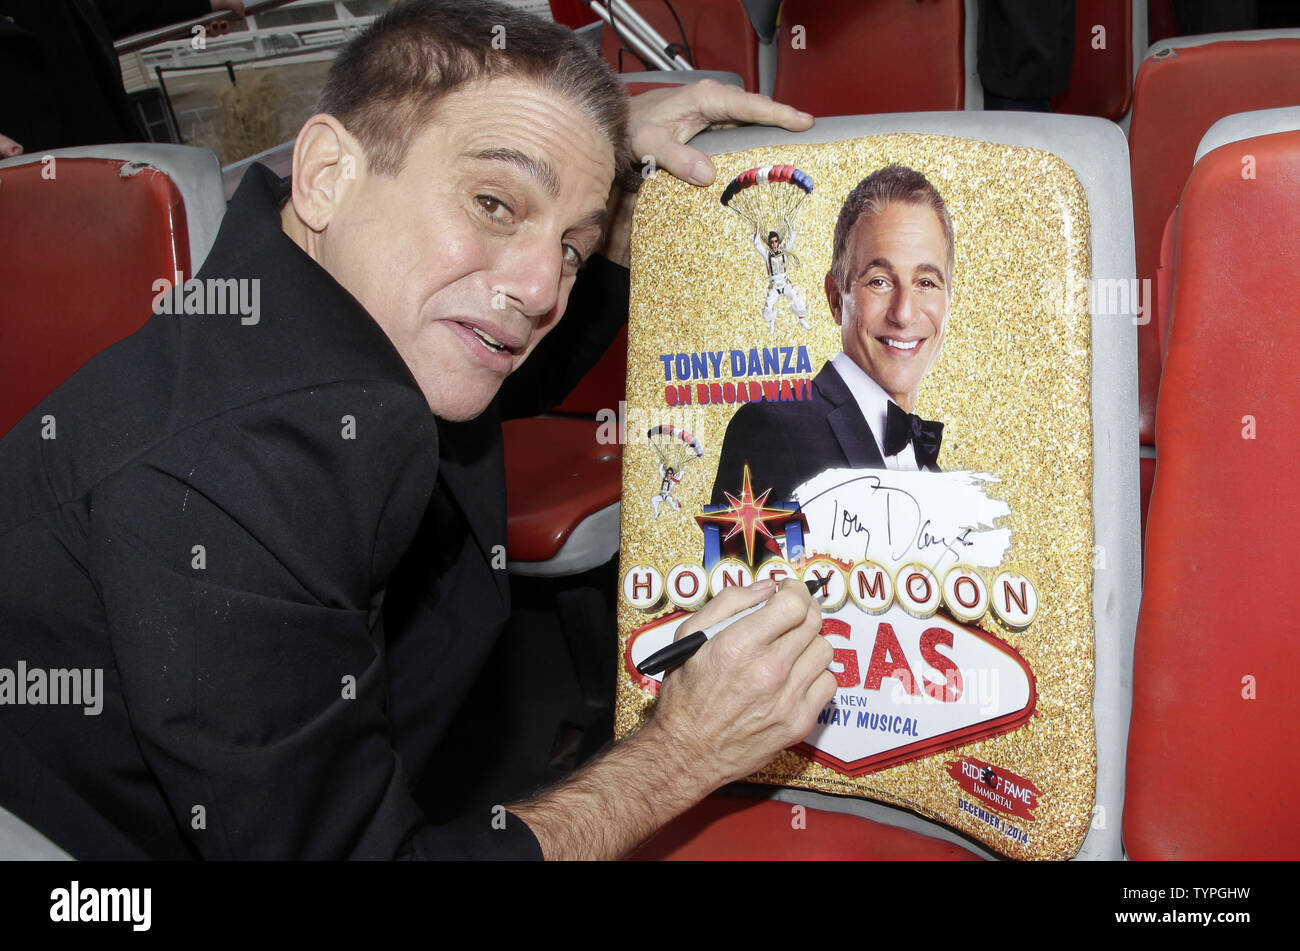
<point>279,559</point>
<point>787,444</point>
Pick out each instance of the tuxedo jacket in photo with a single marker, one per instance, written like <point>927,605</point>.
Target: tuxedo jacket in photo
<point>786,444</point>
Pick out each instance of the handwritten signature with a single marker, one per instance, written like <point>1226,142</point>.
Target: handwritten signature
<point>904,525</point>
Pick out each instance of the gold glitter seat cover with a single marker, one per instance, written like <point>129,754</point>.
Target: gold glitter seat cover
<point>959,601</point>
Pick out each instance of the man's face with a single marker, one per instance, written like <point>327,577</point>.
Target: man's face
<point>894,306</point>
<point>774,242</point>
<point>466,257</point>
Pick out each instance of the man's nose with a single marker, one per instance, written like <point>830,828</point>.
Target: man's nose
<point>902,310</point>
<point>530,275</point>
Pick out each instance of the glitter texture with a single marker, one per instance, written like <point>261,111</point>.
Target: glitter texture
<point>1012,385</point>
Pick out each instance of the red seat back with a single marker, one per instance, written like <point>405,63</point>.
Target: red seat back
<point>1212,769</point>
<point>854,58</point>
<point>1101,79</point>
<point>719,32</point>
<point>572,13</point>
<point>1176,99</point>
<point>79,254</point>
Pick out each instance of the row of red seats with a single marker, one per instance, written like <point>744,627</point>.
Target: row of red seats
<point>843,57</point>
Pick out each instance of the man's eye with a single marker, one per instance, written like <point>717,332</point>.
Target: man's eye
<point>494,207</point>
<point>572,257</point>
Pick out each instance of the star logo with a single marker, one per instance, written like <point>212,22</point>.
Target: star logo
<point>748,517</point>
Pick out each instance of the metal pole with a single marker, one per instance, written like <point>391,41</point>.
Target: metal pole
<point>634,40</point>
<point>176,126</point>
<point>624,12</point>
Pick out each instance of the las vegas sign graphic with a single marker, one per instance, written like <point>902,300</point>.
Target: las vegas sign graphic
<point>915,674</point>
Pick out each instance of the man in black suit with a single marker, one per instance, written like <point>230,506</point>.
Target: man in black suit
<point>267,549</point>
<point>888,290</point>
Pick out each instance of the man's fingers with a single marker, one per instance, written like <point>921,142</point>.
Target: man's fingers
<point>786,611</point>
<point>683,161</point>
<point>800,635</point>
<point>9,148</point>
<point>662,121</point>
<point>719,102</point>
<point>727,602</point>
<point>812,661</point>
<point>820,692</point>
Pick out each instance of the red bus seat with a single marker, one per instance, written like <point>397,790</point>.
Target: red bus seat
<point>1183,86</point>
<point>562,486</point>
<point>82,241</point>
<point>1101,79</point>
<point>557,475</point>
<point>1211,768</point>
<point>857,58</point>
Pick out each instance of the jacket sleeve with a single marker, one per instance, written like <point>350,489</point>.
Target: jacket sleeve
<point>242,566</point>
<point>596,311</point>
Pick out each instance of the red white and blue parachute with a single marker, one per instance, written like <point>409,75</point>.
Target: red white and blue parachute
<point>765,196</point>
<point>674,447</point>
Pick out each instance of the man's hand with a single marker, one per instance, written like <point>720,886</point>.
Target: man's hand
<point>9,148</point>
<point>746,695</point>
<point>661,121</point>
<point>753,690</point>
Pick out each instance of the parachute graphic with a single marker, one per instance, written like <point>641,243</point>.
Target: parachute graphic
<point>765,196</point>
<point>674,447</point>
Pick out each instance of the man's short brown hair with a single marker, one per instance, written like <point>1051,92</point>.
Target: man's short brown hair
<point>885,186</point>
<point>385,84</point>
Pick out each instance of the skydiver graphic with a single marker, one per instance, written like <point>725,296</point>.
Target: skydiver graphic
<point>774,255</point>
<point>668,481</point>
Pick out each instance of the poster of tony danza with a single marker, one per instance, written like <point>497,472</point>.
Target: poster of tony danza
<point>867,363</point>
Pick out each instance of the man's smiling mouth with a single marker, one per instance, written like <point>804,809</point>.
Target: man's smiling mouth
<point>489,341</point>
<point>904,345</point>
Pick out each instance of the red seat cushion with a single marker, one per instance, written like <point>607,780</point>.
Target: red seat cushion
<point>1176,100</point>
<point>1101,79</point>
<point>862,58</point>
<point>79,254</point>
<point>556,475</point>
<point>719,32</point>
<point>1212,772</point>
<point>732,827</point>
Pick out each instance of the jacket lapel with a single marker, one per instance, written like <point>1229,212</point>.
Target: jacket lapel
<point>845,420</point>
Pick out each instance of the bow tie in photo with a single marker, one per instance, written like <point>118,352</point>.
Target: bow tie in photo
<point>902,427</point>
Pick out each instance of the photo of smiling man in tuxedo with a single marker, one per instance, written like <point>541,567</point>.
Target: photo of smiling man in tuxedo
<point>888,288</point>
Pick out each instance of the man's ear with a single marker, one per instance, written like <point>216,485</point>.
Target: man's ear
<point>834,299</point>
<point>327,163</point>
